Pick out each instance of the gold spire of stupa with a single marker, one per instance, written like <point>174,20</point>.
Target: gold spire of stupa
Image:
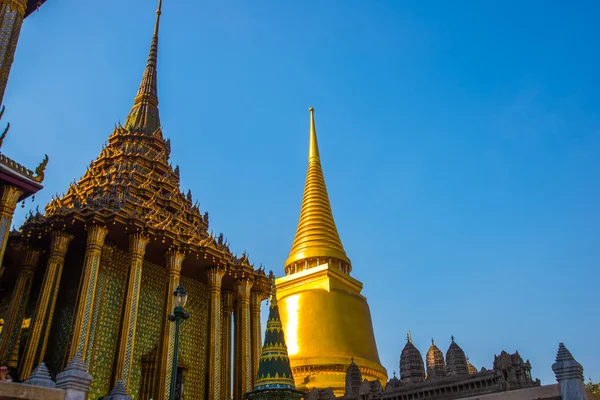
<point>317,235</point>
<point>143,116</point>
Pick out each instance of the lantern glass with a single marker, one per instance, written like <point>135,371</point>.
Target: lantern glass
<point>180,296</point>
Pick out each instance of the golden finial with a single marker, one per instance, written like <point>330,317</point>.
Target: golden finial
<point>408,337</point>
<point>313,146</point>
<point>317,235</point>
<point>144,114</point>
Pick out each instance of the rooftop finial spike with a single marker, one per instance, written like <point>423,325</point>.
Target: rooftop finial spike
<point>313,147</point>
<point>273,289</point>
<point>408,337</point>
<point>144,117</point>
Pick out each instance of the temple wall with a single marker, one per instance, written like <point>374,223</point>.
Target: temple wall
<point>194,338</point>
<point>149,320</point>
<point>106,321</point>
<point>60,330</point>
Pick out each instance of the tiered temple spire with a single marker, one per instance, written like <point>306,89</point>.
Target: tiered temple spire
<point>317,235</point>
<point>274,379</point>
<point>274,369</point>
<point>144,116</point>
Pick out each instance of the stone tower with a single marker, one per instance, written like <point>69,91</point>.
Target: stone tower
<point>436,367</point>
<point>456,361</point>
<point>318,297</point>
<point>412,369</point>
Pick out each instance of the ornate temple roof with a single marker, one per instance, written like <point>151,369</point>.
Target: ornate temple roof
<point>436,367</point>
<point>132,187</point>
<point>412,369</point>
<point>33,5</point>
<point>11,172</point>
<point>456,361</point>
<point>317,235</point>
<point>274,371</point>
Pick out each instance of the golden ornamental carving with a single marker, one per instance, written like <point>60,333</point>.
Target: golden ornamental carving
<point>32,256</point>
<point>174,260</point>
<point>244,287</point>
<point>60,242</point>
<point>215,276</point>
<point>39,170</point>
<point>96,235</point>
<point>10,197</point>
<point>138,243</point>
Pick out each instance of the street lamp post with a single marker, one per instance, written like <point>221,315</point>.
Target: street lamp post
<point>179,314</point>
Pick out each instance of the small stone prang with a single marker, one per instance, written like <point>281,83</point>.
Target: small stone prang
<point>40,377</point>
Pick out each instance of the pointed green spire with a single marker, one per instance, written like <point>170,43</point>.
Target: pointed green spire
<point>274,371</point>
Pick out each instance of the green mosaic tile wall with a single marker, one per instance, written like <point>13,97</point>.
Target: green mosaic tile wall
<point>109,303</point>
<point>108,310</point>
<point>149,320</point>
<point>194,338</point>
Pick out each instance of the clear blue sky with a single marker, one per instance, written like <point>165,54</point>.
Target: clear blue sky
<point>460,142</point>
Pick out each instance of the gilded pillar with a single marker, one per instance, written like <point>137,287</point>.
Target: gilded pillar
<point>87,292</point>
<point>215,277</point>
<point>18,302</point>
<point>10,194</point>
<point>255,301</point>
<point>243,341</point>
<point>137,249</point>
<point>227,339</point>
<point>105,259</point>
<point>44,309</point>
<point>12,13</point>
<point>164,373</point>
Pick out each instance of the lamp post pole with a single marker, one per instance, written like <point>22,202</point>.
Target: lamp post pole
<point>179,314</point>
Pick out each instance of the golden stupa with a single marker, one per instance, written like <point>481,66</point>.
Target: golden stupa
<point>327,322</point>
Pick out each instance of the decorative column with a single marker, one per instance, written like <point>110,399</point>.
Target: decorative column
<point>12,13</point>
<point>44,309</point>
<point>10,194</point>
<point>226,331</point>
<point>18,301</point>
<point>243,342</point>
<point>105,260</point>
<point>215,277</point>
<point>87,291</point>
<point>255,301</point>
<point>137,249</point>
<point>174,261</point>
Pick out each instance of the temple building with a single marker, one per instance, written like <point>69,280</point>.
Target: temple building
<point>327,322</point>
<point>509,378</point>
<point>96,270</point>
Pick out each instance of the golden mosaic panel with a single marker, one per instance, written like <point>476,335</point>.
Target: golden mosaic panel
<point>149,320</point>
<point>105,331</point>
<point>194,338</point>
